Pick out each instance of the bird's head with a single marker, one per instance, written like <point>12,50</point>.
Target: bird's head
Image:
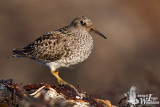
<point>84,23</point>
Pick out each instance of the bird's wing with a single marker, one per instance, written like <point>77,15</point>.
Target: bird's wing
<point>49,47</point>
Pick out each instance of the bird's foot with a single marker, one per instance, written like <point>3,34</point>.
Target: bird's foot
<point>62,82</point>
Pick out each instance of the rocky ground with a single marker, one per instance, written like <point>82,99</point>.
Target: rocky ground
<point>45,95</point>
<point>49,95</point>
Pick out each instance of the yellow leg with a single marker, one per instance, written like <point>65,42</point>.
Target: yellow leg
<point>62,82</point>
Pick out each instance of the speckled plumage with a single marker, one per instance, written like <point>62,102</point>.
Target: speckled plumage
<point>64,47</point>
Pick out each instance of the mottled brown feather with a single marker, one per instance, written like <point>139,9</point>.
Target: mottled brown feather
<point>49,47</point>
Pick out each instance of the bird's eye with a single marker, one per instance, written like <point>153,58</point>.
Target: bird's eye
<point>82,23</point>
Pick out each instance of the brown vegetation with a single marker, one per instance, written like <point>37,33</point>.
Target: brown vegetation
<point>38,95</point>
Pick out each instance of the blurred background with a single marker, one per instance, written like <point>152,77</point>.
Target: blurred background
<point>130,55</point>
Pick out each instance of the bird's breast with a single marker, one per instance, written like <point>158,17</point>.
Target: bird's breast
<point>81,49</point>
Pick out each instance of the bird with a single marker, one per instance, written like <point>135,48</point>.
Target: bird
<point>64,47</point>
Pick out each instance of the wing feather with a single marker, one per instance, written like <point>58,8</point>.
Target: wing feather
<point>49,47</point>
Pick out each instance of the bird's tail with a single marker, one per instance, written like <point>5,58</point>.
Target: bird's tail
<point>17,53</point>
